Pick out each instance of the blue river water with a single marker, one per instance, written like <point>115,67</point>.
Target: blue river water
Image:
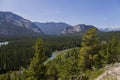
<point>4,43</point>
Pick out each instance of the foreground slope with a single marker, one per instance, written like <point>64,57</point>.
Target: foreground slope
<point>111,73</point>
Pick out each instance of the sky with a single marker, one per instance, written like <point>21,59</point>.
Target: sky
<point>100,13</point>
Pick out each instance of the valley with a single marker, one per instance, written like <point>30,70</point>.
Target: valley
<point>55,50</point>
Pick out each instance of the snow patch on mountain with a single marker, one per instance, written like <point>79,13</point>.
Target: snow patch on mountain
<point>107,29</point>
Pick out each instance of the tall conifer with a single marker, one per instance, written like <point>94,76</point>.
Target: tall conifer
<point>37,69</point>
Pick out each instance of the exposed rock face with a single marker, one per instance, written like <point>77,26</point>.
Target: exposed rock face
<point>9,21</point>
<point>113,73</point>
<point>76,28</point>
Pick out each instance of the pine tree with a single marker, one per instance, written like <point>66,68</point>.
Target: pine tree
<point>113,51</point>
<point>52,72</point>
<point>37,68</point>
<point>89,52</point>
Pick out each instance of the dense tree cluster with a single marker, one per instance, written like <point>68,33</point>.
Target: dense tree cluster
<point>15,55</point>
<point>83,64</point>
<point>65,66</point>
<point>80,63</point>
<point>19,52</point>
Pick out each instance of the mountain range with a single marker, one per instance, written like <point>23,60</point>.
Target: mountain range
<point>12,24</point>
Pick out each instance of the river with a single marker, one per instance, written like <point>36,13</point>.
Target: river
<point>4,43</point>
<point>54,54</point>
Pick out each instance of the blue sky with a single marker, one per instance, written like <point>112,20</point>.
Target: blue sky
<point>100,13</point>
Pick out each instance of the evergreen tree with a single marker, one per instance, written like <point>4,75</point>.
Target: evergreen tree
<point>113,51</point>
<point>52,72</point>
<point>89,52</point>
<point>37,68</point>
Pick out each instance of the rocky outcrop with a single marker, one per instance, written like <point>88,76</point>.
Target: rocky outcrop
<point>112,73</point>
<point>76,28</point>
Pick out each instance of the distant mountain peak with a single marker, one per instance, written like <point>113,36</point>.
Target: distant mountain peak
<point>108,29</point>
<point>76,29</point>
<point>9,21</point>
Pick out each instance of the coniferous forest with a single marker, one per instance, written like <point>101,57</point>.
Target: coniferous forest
<point>75,57</point>
<point>59,39</point>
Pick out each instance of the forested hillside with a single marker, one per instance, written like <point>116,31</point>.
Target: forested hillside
<point>79,58</point>
<point>18,53</point>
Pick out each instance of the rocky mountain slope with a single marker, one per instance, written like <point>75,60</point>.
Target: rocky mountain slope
<point>62,28</point>
<point>12,24</point>
<point>76,29</point>
<point>52,27</point>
